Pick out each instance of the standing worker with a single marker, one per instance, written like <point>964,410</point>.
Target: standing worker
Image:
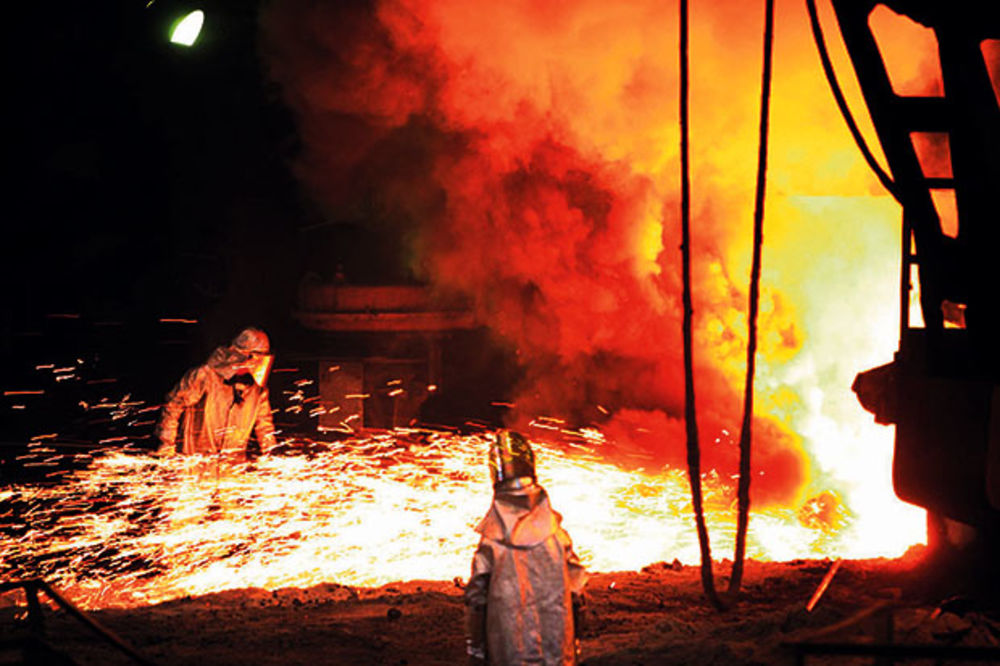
<point>219,403</point>
<point>525,594</point>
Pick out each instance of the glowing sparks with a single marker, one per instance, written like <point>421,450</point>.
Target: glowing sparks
<point>366,511</point>
<point>569,168</point>
<point>559,170</point>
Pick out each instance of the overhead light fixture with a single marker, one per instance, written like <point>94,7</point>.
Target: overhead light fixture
<point>187,29</point>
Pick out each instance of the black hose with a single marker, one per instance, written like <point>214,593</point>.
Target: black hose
<point>746,430</point>
<point>845,111</point>
<point>690,413</point>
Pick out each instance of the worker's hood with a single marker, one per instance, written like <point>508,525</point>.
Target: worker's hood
<point>230,362</point>
<point>520,517</point>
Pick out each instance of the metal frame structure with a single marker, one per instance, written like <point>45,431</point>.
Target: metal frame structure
<point>942,389</point>
<point>962,269</point>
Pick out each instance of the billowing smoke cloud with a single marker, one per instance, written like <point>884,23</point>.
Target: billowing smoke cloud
<point>528,153</point>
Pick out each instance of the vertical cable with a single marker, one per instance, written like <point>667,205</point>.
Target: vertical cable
<point>746,430</point>
<point>690,413</point>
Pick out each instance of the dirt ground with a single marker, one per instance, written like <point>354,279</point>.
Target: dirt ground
<point>656,616</point>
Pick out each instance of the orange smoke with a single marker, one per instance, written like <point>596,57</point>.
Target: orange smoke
<point>529,153</point>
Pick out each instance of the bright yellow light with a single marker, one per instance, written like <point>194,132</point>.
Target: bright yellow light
<point>186,31</point>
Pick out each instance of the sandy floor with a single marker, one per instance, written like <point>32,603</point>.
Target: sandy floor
<point>657,616</point>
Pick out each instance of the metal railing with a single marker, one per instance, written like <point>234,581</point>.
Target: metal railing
<point>36,620</point>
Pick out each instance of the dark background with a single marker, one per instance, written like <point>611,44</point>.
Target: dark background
<point>145,182</point>
<point>151,180</point>
<point>149,183</point>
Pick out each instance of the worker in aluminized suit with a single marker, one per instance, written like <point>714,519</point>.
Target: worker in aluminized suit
<point>524,597</point>
<point>219,403</point>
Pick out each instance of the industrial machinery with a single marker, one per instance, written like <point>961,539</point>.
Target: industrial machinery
<point>942,390</point>
<point>390,343</point>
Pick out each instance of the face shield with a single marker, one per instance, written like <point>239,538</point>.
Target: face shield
<point>260,367</point>
<point>252,344</point>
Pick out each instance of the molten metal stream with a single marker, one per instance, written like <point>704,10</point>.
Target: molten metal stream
<point>132,530</point>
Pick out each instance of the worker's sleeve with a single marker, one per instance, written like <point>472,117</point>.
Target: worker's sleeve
<point>188,391</point>
<point>579,605</point>
<point>476,594</point>
<point>577,574</point>
<point>263,423</point>
<point>478,587</point>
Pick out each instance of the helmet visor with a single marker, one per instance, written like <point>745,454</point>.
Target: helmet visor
<point>511,457</point>
<point>260,367</point>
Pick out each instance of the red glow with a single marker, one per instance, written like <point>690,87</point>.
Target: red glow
<point>130,530</point>
<point>529,151</point>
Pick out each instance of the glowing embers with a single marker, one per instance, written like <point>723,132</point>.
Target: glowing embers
<point>135,530</point>
<point>910,53</point>
<point>826,511</point>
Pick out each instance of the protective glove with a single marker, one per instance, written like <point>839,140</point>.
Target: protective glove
<point>579,615</point>
<point>475,631</point>
<point>579,624</point>
<point>476,654</point>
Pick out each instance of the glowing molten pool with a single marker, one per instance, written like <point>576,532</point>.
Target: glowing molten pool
<point>133,530</point>
<point>528,153</point>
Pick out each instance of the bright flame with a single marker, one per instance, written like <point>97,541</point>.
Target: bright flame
<point>530,150</point>
<point>133,530</point>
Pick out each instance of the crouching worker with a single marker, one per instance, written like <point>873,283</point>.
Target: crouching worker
<point>216,405</point>
<point>526,587</point>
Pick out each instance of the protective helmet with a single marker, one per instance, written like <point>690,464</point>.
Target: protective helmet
<point>252,339</point>
<point>511,458</point>
<point>255,349</point>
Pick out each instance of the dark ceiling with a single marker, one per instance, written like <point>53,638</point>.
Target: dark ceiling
<point>149,180</point>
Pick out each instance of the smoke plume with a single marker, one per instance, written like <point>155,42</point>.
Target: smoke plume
<point>528,154</point>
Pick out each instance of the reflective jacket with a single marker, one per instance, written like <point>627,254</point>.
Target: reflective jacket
<point>525,573</point>
<point>218,413</point>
